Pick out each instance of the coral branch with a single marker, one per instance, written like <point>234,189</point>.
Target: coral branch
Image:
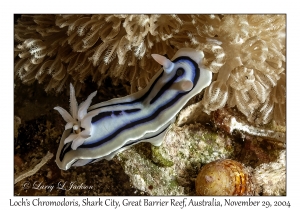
<point>227,122</point>
<point>26,174</point>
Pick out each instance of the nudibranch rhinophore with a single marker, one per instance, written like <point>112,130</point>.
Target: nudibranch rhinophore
<point>105,129</point>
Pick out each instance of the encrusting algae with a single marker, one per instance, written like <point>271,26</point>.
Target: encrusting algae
<point>170,168</point>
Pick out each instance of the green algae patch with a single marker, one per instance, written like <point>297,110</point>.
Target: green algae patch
<point>159,159</point>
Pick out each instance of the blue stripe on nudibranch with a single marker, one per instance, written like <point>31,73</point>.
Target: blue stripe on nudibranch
<point>103,115</point>
<point>115,125</point>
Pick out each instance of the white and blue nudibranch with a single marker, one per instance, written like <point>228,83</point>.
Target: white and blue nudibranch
<point>105,129</point>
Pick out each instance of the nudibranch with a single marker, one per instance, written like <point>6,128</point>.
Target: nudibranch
<point>100,131</point>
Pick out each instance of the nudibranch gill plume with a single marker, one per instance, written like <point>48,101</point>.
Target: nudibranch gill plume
<point>100,131</point>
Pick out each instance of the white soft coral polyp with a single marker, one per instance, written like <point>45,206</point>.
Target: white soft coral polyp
<point>79,119</point>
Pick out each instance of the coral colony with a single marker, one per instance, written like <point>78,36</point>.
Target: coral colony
<point>245,52</point>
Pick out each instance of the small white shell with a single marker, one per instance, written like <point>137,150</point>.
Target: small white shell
<point>222,177</point>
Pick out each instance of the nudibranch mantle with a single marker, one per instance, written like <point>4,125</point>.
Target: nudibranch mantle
<point>105,129</point>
